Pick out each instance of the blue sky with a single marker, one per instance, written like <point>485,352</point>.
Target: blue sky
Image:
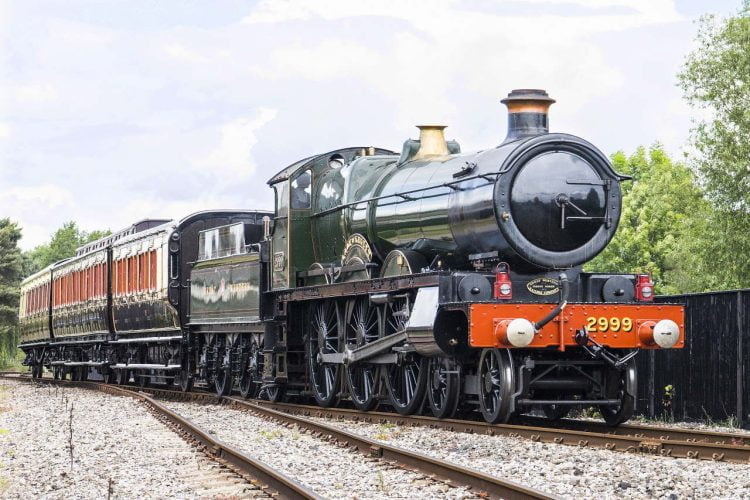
<point>114,111</point>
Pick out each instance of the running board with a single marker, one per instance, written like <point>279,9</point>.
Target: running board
<point>605,402</point>
<point>77,363</point>
<point>134,366</point>
<point>145,339</point>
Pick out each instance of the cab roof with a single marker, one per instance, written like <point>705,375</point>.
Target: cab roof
<point>348,153</point>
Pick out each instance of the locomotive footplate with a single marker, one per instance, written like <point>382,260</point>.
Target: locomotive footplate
<point>615,326</point>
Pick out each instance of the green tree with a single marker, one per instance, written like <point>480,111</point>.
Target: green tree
<point>716,79</point>
<point>62,245</point>
<point>659,206</point>
<point>10,279</point>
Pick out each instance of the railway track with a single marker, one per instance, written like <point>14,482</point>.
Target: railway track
<point>435,469</point>
<point>670,442</point>
<point>257,474</point>
<point>632,438</point>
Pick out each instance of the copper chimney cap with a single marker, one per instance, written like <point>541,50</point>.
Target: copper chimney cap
<point>527,112</point>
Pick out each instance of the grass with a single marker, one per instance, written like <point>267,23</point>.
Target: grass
<point>382,486</point>
<point>12,363</point>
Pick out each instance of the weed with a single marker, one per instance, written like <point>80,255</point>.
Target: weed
<point>668,401</point>
<point>270,434</point>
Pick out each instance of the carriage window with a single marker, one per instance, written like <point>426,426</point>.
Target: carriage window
<point>301,190</point>
<point>221,241</point>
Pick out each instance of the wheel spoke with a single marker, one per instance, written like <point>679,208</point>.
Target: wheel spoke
<point>329,380</point>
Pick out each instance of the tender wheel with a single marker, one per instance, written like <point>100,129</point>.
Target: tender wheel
<point>223,378</point>
<point>141,378</point>
<point>223,382</point>
<point>496,384</point>
<point>405,381</point>
<point>122,377</point>
<point>324,339</point>
<point>362,327</point>
<point>622,386</point>
<point>443,386</point>
<point>184,381</point>
<point>36,371</point>
<point>276,393</point>
<point>249,388</point>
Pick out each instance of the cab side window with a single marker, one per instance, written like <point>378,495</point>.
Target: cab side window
<point>282,203</point>
<point>301,190</point>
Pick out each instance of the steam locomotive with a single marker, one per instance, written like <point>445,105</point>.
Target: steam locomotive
<point>426,279</point>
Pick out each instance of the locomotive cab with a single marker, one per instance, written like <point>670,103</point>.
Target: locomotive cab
<point>302,191</point>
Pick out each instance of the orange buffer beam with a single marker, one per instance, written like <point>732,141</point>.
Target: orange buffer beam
<point>619,326</point>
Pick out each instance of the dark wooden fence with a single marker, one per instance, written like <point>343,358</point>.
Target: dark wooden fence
<point>710,378</point>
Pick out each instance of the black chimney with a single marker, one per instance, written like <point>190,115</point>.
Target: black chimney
<point>527,113</point>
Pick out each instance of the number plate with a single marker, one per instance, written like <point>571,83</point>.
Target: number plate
<point>278,261</point>
<point>609,324</point>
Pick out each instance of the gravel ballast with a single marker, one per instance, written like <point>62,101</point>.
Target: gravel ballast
<point>114,438</point>
<point>326,468</point>
<point>567,471</point>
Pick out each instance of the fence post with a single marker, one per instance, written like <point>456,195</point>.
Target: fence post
<point>740,364</point>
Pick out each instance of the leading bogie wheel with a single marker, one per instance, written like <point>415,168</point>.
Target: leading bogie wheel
<point>621,385</point>
<point>362,327</point>
<point>496,384</point>
<point>443,386</point>
<point>554,411</point>
<point>324,338</point>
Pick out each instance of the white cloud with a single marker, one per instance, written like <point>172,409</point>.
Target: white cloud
<point>237,138</point>
<point>33,206</point>
<point>179,52</point>
<point>151,112</point>
<point>425,13</point>
<point>35,93</point>
<point>44,195</point>
<point>451,49</point>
